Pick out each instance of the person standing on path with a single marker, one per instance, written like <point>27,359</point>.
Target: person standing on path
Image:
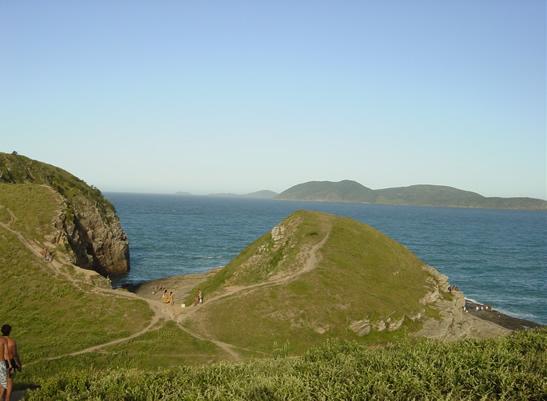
<point>14,362</point>
<point>5,367</point>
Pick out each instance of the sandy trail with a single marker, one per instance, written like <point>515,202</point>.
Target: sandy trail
<point>161,312</point>
<point>311,263</point>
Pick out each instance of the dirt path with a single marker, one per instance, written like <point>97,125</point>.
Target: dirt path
<point>311,263</point>
<point>161,311</point>
<point>227,348</point>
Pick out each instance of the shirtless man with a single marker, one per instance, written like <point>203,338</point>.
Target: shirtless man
<point>4,366</point>
<point>12,359</point>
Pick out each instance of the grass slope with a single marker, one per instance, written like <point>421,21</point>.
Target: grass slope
<point>165,346</point>
<point>17,169</point>
<point>509,368</point>
<point>49,315</point>
<point>361,274</point>
<point>53,317</point>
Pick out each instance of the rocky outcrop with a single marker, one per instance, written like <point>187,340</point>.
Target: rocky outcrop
<point>96,241</point>
<point>87,224</point>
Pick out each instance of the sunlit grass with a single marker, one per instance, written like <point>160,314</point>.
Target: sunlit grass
<point>510,368</point>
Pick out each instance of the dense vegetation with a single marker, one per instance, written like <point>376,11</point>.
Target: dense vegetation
<point>509,368</point>
<point>420,195</point>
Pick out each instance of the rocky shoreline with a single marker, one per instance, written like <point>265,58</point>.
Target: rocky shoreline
<point>484,312</point>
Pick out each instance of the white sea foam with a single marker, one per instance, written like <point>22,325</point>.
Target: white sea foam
<point>473,300</point>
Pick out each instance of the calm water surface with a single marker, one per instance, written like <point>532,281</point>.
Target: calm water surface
<point>494,256</point>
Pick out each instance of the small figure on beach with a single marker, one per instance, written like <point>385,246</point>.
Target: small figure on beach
<point>165,297</point>
<point>199,297</point>
<point>10,358</point>
<point>171,298</point>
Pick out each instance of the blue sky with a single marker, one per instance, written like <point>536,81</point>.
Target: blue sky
<point>233,96</point>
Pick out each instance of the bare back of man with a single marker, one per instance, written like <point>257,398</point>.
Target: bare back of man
<point>12,359</point>
<point>4,367</point>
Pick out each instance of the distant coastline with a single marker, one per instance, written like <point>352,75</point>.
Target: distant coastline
<point>413,205</point>
<point>348,191</point>
<point>414,195</point>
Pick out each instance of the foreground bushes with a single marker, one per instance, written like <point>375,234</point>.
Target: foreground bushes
<point>511,368</point>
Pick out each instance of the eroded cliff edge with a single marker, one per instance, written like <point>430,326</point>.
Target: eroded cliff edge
<point>87,224</point>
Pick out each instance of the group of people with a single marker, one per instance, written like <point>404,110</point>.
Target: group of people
<point>168,297</point>
<point>9,363</point>
<point>452,288</point>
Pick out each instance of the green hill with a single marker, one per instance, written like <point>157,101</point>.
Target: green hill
<point>316,276</point>
<point>263,194</point>
<point>420,195</point>
<point>87,222</point>
<point>65,317</point>
<point>53,308</point>
<point>343,191</point>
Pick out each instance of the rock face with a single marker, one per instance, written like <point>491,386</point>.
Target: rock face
<point>87,224</point>
<point>96,240</point>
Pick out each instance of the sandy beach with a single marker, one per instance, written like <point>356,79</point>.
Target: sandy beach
<point>180,285</point>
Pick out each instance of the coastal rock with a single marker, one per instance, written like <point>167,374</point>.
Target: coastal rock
<point>277,233</point>
<point>379,325</point>
<point>395,324</point>
<point>87,224</point>
<point>95,241</point>
<point>361,327</point>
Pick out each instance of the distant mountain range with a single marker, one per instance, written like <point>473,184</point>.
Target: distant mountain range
<point>420,195</point>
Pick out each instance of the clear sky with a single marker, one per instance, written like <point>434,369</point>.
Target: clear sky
<point>234,96</point>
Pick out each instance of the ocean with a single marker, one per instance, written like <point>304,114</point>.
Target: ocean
<point>497,257</point>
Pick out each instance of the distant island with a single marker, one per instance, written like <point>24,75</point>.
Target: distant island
<point>419,195</point>
<point>263,194</point>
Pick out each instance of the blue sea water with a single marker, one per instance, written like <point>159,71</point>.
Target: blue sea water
<point>495,256</point>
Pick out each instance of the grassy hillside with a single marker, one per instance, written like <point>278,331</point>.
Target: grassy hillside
<point>49,314</point>
<point>18,169</point>
<point>314,277</point>
<point>510,368</point>
<point>88,222</point>
<point>420,195</point>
